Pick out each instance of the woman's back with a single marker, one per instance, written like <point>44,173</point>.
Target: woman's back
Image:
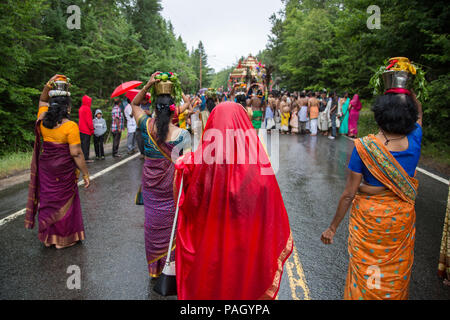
<point>175,137</point>
<point>407,158</point>
<point>65,133</point>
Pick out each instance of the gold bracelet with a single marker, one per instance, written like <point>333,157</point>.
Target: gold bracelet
<point>50,84</point>
<point>86,176</point>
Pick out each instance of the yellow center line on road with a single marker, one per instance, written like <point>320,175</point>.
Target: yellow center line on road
<point>297,279</point>
<point>293,266</point>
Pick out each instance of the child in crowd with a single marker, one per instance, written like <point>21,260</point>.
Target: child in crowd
<point>99,134</point>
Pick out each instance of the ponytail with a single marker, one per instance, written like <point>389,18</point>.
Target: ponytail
<point>163,117</point>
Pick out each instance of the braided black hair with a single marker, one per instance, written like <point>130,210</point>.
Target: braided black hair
<point>57,111</point>
<point>163,116</point>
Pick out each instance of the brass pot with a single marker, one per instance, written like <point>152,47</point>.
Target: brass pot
<point>397,79</point>
<point>164,87</point>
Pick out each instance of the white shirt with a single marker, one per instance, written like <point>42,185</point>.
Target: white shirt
<point>303,114</point>
<point>131,123</point>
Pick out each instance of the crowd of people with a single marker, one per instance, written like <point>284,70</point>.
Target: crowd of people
<point>233,235</point>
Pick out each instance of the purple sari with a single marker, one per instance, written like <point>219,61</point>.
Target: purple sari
<point>356,106</point>
<point>157,191</point>
<point>53,195</point>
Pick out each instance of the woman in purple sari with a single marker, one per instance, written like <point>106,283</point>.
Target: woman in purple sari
<point>53,191</point>
<point>163,144</point>
<point>355,107</point>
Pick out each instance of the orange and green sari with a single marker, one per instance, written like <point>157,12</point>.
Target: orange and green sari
<point>444,258</point>
<point>382,229</point>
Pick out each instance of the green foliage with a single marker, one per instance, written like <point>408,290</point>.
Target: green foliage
<point>198,55</point>
<point>220,78</point>
<point>327,44</point>
<point>118,41</point>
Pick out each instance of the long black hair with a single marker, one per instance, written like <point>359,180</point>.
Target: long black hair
<point>163,116</point>
<point>242,99</point>
<point>57,111</point>
<point>210,104</point>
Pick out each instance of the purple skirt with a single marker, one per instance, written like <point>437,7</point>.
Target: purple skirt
<point>157,192</point>
<point>59,213</point>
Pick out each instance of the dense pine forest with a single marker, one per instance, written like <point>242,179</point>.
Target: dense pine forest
<point>117,41</point>
<point>319,44</point>
<point>313,44</point>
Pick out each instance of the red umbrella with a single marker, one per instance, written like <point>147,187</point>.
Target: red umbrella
<point>133,93</point>
<point>124,87</point>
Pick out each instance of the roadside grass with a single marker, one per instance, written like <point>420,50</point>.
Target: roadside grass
<point>366,124</point>
<point>14,162</point>
<point>438,152</point>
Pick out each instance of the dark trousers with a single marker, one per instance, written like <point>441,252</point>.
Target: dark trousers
<point>333,125</point>
<point>98,144</point>
<point>140,141</point>
<point>85,144</point>
<point>116,142</point>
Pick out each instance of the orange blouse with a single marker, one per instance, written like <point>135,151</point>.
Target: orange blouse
<point>66,133</point>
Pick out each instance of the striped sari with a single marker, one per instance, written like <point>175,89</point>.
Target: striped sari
<point>157,192</point>
<point>382,229</point>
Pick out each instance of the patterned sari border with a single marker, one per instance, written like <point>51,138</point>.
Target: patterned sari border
<point>161,256</point>
<point>272,291</point>
<point>386,168</point>
<point>61,241</point>
<point>395,165</point>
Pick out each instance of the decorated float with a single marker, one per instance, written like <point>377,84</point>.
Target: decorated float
<point>248,71</point>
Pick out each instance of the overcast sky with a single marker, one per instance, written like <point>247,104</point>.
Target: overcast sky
<point>229,29</point>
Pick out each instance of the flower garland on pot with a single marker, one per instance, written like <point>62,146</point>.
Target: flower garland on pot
<point>169,84</point>
<point>400,65</point>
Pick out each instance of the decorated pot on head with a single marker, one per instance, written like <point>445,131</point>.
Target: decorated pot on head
<point>60,87</point>
<point>399,75</point>
<point>169,84</point>
<point>211,93</point>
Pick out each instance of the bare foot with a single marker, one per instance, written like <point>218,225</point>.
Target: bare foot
<point>67,246</point>
<point>47,245</point>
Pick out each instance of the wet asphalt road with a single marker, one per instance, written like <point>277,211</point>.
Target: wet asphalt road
<point>112,260</point>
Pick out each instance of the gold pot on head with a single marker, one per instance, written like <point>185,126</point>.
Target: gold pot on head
<point>164,87</point>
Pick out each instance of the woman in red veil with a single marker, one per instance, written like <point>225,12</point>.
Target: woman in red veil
<point>233,230</point>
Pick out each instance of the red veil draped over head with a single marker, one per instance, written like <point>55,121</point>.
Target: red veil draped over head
<point>233,230</point>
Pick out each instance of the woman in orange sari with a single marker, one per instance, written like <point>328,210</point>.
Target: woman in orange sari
<point>382,218</point>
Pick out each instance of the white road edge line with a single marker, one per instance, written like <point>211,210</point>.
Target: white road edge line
<point>431,175</point>
<point>81,183</point>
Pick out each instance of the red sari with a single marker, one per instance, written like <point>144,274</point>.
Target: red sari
<point>233,230</point>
